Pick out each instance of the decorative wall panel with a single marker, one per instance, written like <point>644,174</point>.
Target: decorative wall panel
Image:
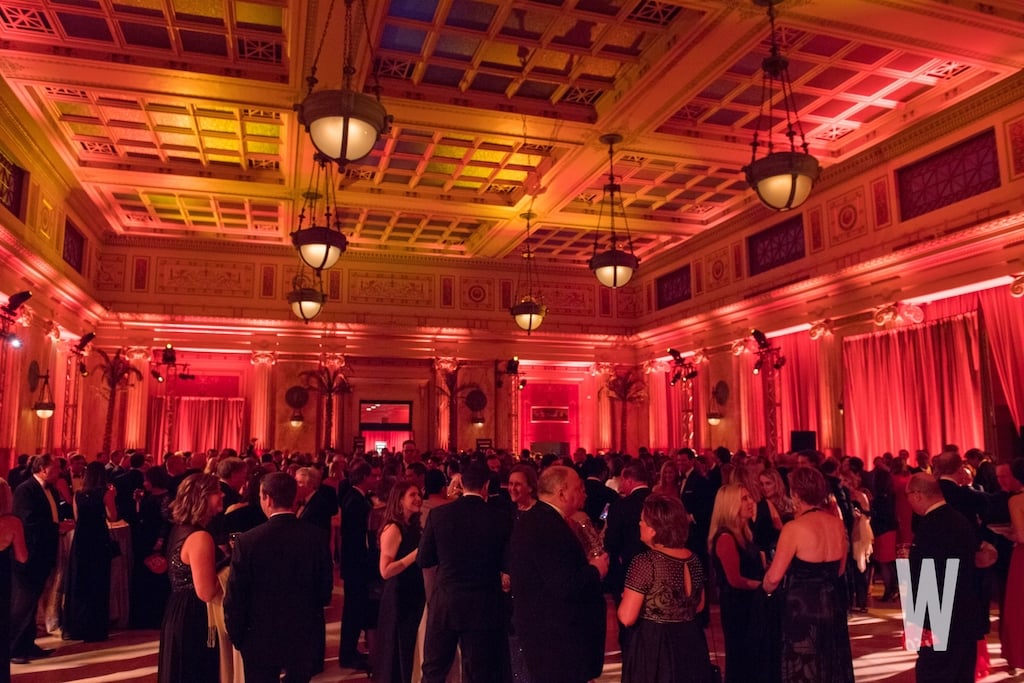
<point>1015,136</point>
<point>477,293</point>
<point>268,281</point>
<point>198,276</point>
<point>846,218</point>
<point>448,292</point>
<point>880,200</point>
<point>952,175</point>
<point>673,288</point>
<point>393,289</point>
<point>74,246</point>
<point>717,268</point>
<point>12,184</point>
<point>571,299</point>
<point>110,272</point>
<point>628,301</point>
<point>817,229</point>
<point>776,246</point>
<point>140,274</point>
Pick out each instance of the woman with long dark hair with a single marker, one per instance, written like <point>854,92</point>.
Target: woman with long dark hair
<point>188,641</point>
<point>403,597</point>
<point>87,582</point>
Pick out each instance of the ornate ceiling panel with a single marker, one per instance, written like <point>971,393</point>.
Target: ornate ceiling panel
<point>176,116</point>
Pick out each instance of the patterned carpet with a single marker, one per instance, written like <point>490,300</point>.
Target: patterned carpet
<point>131,656</point>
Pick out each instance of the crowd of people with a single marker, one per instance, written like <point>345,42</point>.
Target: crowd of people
<point>489,567</point>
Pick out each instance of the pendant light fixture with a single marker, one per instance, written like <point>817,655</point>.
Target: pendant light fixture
<point>44,405</point>
<point>318,235</point>
<point>613,267</point>
<point>307,296</point>
<point>530,311</point>
<point>343,124</point>
<point>782,179</point>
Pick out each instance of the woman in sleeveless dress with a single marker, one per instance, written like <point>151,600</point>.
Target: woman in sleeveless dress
<point>403,597</point>
<point>188,643</point>
<point>811,557</point>
<point>12,544</point>
<point>663,593</point>
<point>739,570</point>
<point>87,582</point>
<point>1011,628</point>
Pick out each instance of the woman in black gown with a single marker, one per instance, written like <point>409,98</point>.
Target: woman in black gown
<point>664,592</point>
<point>403,597</point>
<point>811,556</point>
<point>87,582</point>
<point>188,643</point>
<point>12,544</point>
<point>739,570</point>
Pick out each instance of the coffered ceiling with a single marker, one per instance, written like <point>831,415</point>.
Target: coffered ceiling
<point>176,116</point>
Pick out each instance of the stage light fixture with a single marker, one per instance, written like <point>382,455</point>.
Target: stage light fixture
<point>676,356</point>
<point>168,357</point>
<point>83,370</point>
<point>15,302</point>
<point>86,339</point>
<point>760,338</point>
<point>522,384</point>
<point>157,376</point>
<point>779,362</point>
<point>757,366</point>
<point>512,366</point>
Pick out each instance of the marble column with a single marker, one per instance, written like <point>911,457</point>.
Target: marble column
<point>261,423</point>
<point>137,399</point>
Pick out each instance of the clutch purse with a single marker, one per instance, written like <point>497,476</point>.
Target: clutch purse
<point>156,563</point>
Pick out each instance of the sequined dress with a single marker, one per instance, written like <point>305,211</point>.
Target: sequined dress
<point>186,655</point>
<point>667,643</point>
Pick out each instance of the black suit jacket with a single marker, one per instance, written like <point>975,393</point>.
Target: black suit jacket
<point>558,607</point>
<point>125,485</point>
<point>319,510</point>
<point>622,536</point>
<point>972,504</point>
<point>355,522</point>
<point>279,584</point>
<point>598,495</point>
<point>466,541</point>
<point>942,534</point>
<point>41,532</point>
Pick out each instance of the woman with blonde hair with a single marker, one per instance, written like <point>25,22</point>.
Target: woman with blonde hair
<point>668,480</point>
<point>188,644</point>
<point>739,569</point>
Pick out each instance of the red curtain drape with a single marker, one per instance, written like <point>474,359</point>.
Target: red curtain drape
<point>196,423</point>
<point>1004,324</point>
<point>913,388</point>
<point>799,386</point>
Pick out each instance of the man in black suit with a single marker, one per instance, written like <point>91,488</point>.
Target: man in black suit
<point>356,564</point>
<point>316,504</point>
<point>35,503</point>
<point>622,533</point>
<point>941,534</point>
<point>599,497</point>
<point>19,473</point>
<point>127,484</point>
<point>279,584</point>
<point>699,500</point>
<point>466,541</point>
<point>558,607</point>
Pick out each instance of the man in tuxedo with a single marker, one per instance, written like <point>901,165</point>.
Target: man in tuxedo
<point>35,503</point>
<point>599,497</point>
<point>315,503</point>
<point>279,584</point>
<point>129,488</point>
<point>942,533</point>
<point>356,564</point>
<point>622,533</point>
<point>698,498</point>
<point>558,607</point>
<point>19,473</point>
<point>466,541</point>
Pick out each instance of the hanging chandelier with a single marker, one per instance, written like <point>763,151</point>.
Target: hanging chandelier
<point>343,124</point>
<point>782,179</point>
<point>318,235</point>
<point>614,267</point>
<point>45,405</point>
<point>307,296</point>
<point>530,311</point>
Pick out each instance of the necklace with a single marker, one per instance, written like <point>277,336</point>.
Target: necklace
<point>810,509</point>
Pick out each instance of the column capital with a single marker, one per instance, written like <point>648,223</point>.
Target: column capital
<point>263,358</point>
<point>137,354</point>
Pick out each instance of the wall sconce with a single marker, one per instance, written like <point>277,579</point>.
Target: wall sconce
<point>44,405</point>
<point>296,419</point>
<point>719,396</point>
<point>296,397</point>
<point>477,420</point>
